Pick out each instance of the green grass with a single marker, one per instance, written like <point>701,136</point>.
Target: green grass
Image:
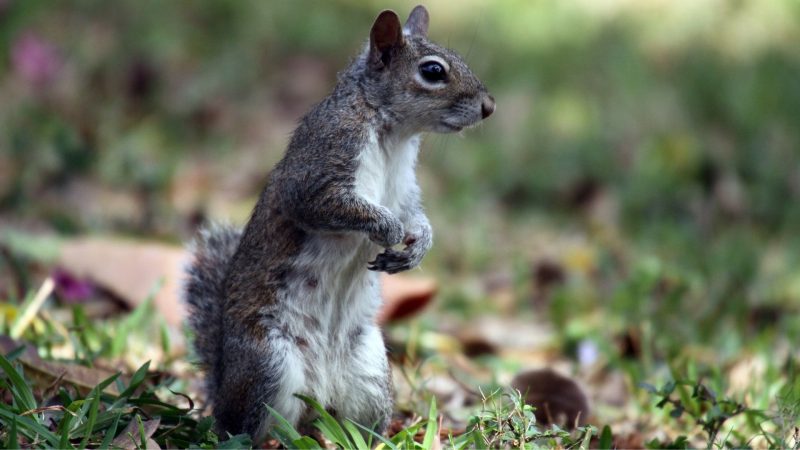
<point>646,155</point>
<point>94,419</point>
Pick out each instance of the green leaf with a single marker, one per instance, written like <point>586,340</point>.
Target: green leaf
<point>649,388</point>
<point>681,442</point>
<point>205,424</point>
<point>477,438</point>
<point>587,438</point>
<point>606,438</point>
<point>236,442</point>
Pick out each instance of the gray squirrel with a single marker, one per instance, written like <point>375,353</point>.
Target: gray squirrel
<point>287,306</point>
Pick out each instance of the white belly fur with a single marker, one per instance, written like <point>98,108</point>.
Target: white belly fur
<point>345,295</point>
<point>385,174</point>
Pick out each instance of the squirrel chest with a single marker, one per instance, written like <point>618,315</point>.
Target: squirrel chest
<point>343,294</point>
<point>385,172</point>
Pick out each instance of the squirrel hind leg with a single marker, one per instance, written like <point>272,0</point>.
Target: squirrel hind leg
<point>259,374</point>
<point>367,382</point>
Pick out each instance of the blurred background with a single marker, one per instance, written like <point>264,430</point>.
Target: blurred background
<point>629,215</point>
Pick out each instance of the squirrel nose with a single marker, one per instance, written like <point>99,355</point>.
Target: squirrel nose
<point>487,106</point>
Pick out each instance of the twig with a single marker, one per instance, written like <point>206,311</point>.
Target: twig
<point>30,310</point>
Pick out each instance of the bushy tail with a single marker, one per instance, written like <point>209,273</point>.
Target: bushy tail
<point>204,294</point>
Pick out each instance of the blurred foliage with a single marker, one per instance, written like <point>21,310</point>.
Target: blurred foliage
<point>640,179</point>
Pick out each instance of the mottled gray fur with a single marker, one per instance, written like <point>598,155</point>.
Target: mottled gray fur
<point>291,308</point>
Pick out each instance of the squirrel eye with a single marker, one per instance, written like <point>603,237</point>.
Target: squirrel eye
<point>433,72</point>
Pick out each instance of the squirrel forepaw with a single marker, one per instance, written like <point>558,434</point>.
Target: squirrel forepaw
<point>393,261</point>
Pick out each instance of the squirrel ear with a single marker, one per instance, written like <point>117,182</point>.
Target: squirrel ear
<point>417,22</point>
<point>386,35</point>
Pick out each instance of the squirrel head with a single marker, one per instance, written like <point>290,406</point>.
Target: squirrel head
<point>421,85</point>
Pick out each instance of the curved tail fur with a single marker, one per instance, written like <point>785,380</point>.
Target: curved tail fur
<point>204,294</point>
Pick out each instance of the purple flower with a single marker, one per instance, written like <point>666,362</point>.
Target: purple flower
<point>70,288</point>
<point>34,59</point>
<point>588,353</point>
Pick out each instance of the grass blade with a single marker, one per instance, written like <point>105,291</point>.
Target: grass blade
<point>111,432</point>
<point>90,406</point>
<point>134,321</point>
<point>12,441</point>
<point>23,395</point>
<point>136,380</point>
<point>28,427</point>
<point>94,407</point>
<point>283,431</point>
<point>142,434</point>
<point>64,427</point>
<point>355,435</point>
<point>377,436</point>
<point>432,428</point>
<point>326,423</point>
<point>16,353</point>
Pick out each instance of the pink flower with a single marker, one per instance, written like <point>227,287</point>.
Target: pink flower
<point>34,59</point>
<point>70,288</point>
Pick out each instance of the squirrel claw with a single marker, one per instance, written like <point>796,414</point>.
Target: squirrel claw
<point>391,261</point>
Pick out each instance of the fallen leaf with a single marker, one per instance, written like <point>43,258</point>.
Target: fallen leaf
<point>610,388</point>
<point>504,333</point>
<point>46,372</point>
<point>474,346</point>
<point>131,270</point>
<point>404,296</point>
<point>130,438</point>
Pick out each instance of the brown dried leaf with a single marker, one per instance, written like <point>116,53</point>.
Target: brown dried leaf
<point>130,270</point>
<point>404,296</point>
<point>557,399</point>
<point>47,372</point>
<point>130,437</point>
